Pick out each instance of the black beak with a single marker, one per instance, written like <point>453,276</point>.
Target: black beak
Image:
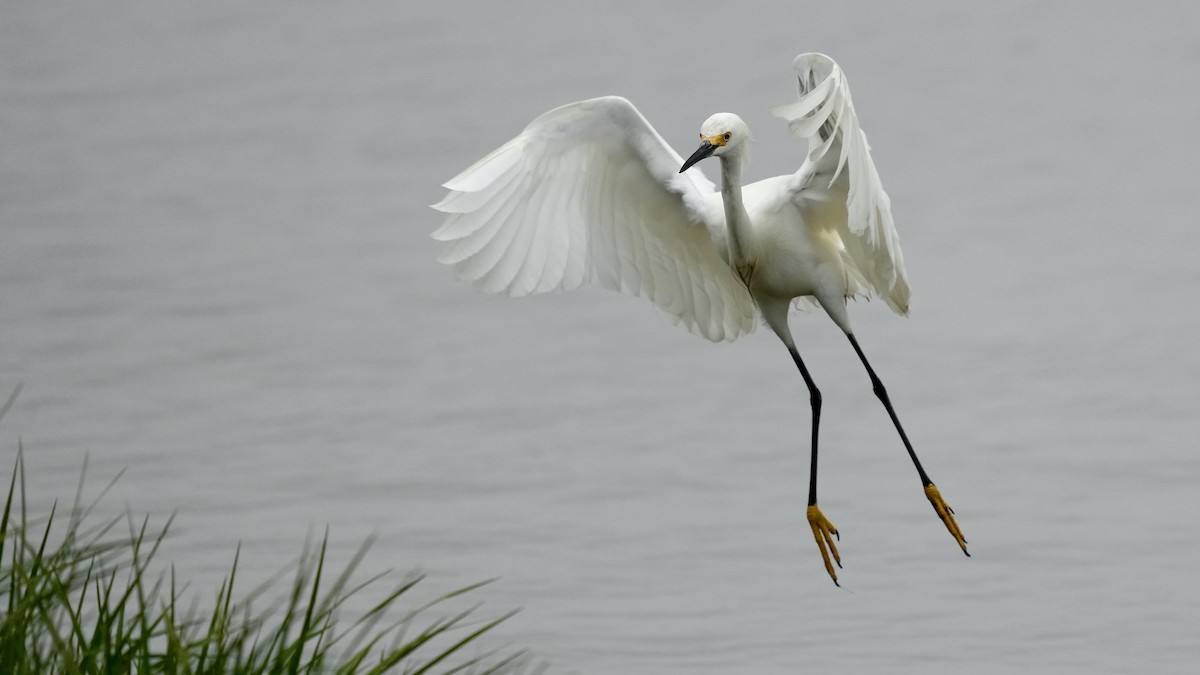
<point>706,149</point>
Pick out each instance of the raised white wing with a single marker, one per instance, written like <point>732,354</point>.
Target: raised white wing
<point>589,192</point>
<point>824,115</point>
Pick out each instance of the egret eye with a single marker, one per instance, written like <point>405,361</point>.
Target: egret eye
<point>728,135</point>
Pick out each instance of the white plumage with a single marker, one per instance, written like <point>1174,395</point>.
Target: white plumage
<point>590,193</point>
<point>868,233</point>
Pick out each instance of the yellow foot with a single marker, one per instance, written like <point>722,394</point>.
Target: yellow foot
<point>945,513</point>
<point>824,532</point>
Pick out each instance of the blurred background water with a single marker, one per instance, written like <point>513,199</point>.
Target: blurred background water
<point>215,272</point>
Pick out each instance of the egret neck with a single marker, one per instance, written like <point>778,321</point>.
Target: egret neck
<point>737,220</point>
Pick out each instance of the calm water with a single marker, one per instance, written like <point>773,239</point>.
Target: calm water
<point>215,271</point>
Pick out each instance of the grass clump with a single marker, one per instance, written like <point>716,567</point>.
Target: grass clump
<point>81,599</point>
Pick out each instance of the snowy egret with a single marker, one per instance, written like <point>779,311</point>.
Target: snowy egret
<point>590,193</point>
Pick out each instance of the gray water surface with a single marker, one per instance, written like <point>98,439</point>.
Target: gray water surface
<point>215,272</point>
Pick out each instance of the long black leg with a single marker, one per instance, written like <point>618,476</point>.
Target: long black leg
<point>940,507</point>
<point>882,395</point>
<point>823,531</point>
<point>814,399</point>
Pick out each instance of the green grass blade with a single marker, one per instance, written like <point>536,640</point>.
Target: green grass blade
<point>83,599</point>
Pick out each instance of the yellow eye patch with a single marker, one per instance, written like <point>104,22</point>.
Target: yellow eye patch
<point>718,140</point>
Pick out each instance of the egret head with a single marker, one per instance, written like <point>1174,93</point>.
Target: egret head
<point>721,134</point>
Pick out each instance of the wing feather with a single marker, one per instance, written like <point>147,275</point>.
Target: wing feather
<point>824,115</point>
<point>589,192</point>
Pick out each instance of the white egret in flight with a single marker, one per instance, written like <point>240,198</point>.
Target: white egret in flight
<point>590,193</point>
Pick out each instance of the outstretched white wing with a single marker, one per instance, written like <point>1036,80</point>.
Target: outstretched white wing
<point>589,192</point>
<point>824,115</point>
